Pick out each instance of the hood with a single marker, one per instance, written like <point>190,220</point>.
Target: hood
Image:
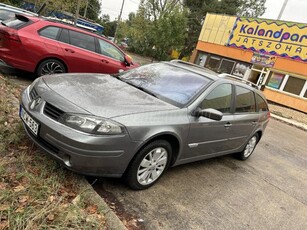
<point>104,95</point>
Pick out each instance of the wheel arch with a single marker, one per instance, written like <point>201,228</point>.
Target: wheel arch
<point>56,58</point>
<point>259,132</point>
<point>169,137</point>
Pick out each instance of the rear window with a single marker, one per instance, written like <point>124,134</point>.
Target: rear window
<point>17,22</point>
<point>5,14</point>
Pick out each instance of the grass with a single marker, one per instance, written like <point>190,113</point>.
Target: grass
<point>36,192</point>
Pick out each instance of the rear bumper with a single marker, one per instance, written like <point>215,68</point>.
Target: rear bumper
<point>10,60</point>
<point>5,65</point>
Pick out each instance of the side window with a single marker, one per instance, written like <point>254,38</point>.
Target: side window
<point>261,104</point>
<point>245,100</point>
<point>219,99</point>
<point>64,36</point>
<point>49,32</point>
<point>109,50</point>
<point>82,40</point>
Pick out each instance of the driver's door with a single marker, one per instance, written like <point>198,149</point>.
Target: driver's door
<point>112,60</point>
<point>209,136</point>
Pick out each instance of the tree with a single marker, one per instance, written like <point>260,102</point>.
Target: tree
<point>93,9</point>
<point>199,8</point>
<point>252,8</point>
<point>109,27</point>
<point>13,2</point>
<point>157,28</point>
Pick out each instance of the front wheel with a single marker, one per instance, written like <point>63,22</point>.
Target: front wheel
<point>50,66</point>
<point>149,165</point>
<point>249,148</point>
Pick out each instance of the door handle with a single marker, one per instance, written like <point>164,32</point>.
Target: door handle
<point>69,50</point>
<point>105,61</point>
<point>227,125</point>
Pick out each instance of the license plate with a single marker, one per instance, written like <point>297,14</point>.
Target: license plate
<point>29,121</point>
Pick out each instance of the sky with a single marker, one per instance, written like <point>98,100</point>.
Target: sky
<point>296,10</point>
<point>112,8</point>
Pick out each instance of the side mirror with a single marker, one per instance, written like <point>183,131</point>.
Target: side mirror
<point>208,113</point>
<point>128,60</point>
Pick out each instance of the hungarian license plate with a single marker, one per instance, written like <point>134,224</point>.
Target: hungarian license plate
<point>29,121</point>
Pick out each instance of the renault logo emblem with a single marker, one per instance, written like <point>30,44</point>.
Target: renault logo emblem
<point>35,102</point>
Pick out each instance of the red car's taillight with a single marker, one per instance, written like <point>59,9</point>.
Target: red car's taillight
<point>10,34</point>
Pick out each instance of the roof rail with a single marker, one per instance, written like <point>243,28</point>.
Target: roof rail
<point>194,65</point>
<point>187,63</point>
<point>226,75</point>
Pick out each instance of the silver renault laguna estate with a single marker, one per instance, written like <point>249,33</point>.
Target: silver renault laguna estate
<point>138,123</point>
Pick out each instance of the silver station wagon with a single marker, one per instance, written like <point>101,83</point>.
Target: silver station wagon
<point>138,123</point>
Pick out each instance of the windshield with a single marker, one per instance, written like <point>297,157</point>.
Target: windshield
<point>169,83</point>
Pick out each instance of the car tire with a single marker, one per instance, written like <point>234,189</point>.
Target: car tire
<point>149,165</point>
<point>50,66</point>
<point>249,148</point>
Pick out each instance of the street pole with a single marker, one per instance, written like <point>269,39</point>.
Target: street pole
<point>77,13</point>
<point>282,9</point>
<point>118,21</point>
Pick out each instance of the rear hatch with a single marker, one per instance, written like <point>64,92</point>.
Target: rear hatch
<point>9,30</point>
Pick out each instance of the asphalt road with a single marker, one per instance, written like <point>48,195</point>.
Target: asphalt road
<point>268,191</point>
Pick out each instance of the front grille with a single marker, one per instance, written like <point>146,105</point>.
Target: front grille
<point>52,111</point>
<point>33,94</point>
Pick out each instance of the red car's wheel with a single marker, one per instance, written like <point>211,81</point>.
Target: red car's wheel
<point>50,66</point>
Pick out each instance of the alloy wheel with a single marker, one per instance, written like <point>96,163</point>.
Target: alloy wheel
<point>250,146</point>
<point>52,68</point>
<point>152,166</point>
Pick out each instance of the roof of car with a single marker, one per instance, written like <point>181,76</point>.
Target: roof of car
<point>68,26</point>
<point>195,68</point>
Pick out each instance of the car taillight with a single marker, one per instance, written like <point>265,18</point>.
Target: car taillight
<point>11,35</point>
<point>269,115</point>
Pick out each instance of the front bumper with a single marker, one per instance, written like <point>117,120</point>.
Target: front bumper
<point>80,152</point>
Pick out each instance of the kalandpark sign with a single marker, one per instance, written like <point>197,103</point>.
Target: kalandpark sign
<point>270,37</point>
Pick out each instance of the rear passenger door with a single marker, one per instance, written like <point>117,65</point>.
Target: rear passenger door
<point>245,117</point>
<point>80,51</point>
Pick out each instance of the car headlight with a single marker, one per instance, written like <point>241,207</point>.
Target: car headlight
<point>91,124</point>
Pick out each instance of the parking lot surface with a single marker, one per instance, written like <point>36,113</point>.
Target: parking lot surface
<point>268,191</point>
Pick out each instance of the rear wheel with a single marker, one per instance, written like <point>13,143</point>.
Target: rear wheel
<point>50,66</point>
<point>249,148</point>
<point>149,165</point>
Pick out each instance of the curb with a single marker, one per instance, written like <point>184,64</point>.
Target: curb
<point>112,220</point>
<point>290,122</point>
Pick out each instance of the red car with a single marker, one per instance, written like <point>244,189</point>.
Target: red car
<point>44,46</point>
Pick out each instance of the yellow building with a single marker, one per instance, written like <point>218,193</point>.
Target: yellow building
<point>270,53</point>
